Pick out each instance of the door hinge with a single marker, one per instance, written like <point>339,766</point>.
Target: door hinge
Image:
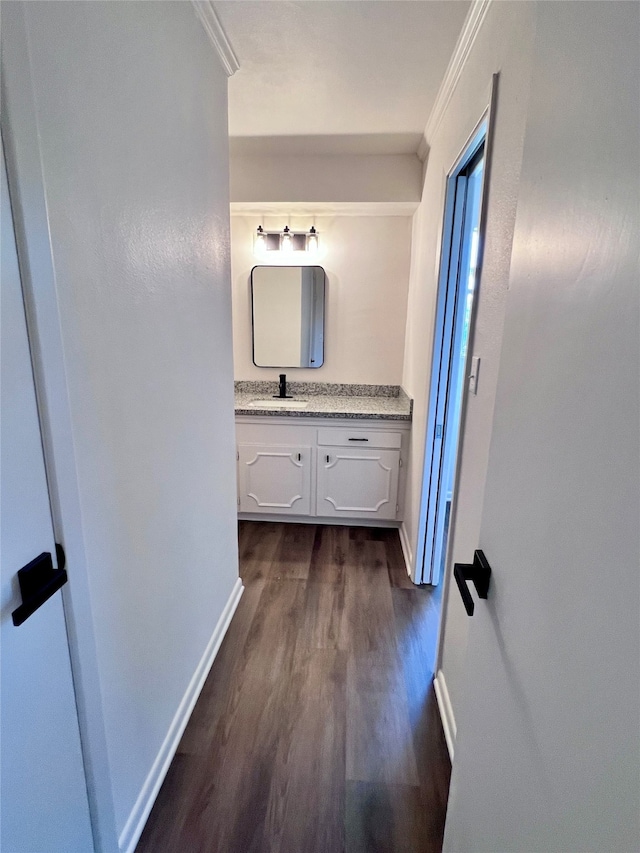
<point>399,463</point>
<point>438,430</point>
<point>238,455</point>
<point>238,501</point>
<point>397,508</point>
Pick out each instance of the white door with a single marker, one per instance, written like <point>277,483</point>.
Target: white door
<point>43,797</point>
<point>547,751</point>
<point>275,479</point>
<point>357,483</point>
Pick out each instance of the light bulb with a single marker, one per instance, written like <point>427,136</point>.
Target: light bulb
<point>260,244</point>
<point>287,243</point>
<point>312,241</point>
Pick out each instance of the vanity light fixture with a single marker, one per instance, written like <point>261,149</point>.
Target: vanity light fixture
<point>261,240</point>
<point>285,242</point>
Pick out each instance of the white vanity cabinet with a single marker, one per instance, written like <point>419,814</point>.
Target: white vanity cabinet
<point>274,478</point>
<point>358,473</point>
<point>326,469</point>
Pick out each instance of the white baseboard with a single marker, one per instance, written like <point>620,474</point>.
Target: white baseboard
<point>446,711</point>
<point>314,519</point>
<point>135,824</point>
<point>406,550</point>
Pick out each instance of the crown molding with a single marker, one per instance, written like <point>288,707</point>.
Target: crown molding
<point>215,33</point>
<point>467,37</point>
<point>320,208</point>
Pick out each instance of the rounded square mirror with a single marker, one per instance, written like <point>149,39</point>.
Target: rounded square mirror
<point>287,305</point>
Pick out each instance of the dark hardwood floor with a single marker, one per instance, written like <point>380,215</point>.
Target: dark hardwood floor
<point>317,729</point>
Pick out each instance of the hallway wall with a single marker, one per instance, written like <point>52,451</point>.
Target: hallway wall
<point>131,110</point>
<point>503,44</point>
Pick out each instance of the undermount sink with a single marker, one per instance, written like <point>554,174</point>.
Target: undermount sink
<point>278,404</point>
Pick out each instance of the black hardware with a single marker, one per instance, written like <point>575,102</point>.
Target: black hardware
<point>328,458</point>
<point>479,572</point>
<point>282,386</point>
<point>358,439</point>
<point>299,457</point>
<point>38,582</point>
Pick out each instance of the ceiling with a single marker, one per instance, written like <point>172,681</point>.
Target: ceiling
<point>336,76</point>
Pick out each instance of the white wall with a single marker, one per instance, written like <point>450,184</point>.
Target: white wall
<point>366,259</point>
<point>131,113</point>
<point>503,44</point>
<point>325,178</point>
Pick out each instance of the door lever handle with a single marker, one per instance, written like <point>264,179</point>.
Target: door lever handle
<point>38,581</point>
<point>479,572</point>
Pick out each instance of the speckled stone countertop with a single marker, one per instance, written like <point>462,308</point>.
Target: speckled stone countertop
<point>328,400</point>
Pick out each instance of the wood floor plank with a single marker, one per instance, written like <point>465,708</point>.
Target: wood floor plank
<point>416,625</point>
<point>321,623</point>
<point>222,682</point>
<point>367,625</point>
<point>330,548</point>
<point>380,745</point>
<point>230,808</point>
<point>293,557</point>
<point>387,819</point>
<point>396,566</point>
<point>259,542</point>
<point>232,805</point>
<point>416,619</point>
<point>307,795</point>
<point>270,646</point>
<point>165,830</point>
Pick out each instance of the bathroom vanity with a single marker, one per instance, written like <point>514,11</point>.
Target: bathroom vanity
<point>313,450</point>
<point>331,452</point>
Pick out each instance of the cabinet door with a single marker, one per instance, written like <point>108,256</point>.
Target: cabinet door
<point>275,479</point>
<point>358,483</point>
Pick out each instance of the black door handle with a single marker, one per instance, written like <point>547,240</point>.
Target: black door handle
<point>479,572</point>
<point>38,582</point>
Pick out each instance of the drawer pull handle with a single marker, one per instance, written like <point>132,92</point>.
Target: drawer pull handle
<point>358,439</point>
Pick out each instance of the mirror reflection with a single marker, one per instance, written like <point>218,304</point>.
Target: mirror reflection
<point>288,316</point>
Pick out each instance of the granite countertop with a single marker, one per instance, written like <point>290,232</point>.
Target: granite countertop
<point>328,400</point>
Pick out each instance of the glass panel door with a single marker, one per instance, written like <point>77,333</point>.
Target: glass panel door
<point>451,338</point>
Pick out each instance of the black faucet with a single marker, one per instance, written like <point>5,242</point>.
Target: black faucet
<point>282,386</point>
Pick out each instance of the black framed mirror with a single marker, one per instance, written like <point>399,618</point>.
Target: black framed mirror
<point>287,306</point>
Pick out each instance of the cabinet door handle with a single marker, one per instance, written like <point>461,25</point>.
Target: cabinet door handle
<point>358,439</point>
<point>299,457</point>
<point>328,458</point>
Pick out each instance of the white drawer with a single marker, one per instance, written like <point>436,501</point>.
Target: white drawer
<point>359,438</point>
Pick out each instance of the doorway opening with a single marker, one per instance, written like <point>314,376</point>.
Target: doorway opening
<point>451,375</point>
